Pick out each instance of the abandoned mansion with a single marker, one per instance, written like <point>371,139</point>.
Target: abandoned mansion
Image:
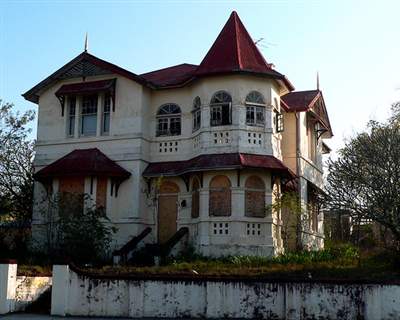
<point>202,151</point>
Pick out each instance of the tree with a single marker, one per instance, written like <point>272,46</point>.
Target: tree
<point>16,164</point>
<point>365,179</point>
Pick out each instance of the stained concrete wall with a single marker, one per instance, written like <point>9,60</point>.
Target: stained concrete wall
<point>80,295</point>
<point>16,293</point>
<point>29,289</point>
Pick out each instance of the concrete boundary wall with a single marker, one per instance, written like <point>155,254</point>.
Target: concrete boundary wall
<point>80,294</point>
<point>18,292</point>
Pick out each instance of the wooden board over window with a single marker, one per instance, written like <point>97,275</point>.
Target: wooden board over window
<point>220,196</point>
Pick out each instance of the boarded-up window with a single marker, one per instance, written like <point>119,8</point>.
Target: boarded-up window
<point>71,194</point>
<point>254,197</point>
<point>167,210</point>
<point>220,196</point>
<point>72,185</point>
<point>101,193</point>
<point>195,198</point>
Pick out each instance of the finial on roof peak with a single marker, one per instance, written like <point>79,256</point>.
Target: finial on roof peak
<point>86,47</point>
<point>317,80</point>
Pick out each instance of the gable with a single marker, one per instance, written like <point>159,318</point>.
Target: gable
<point>82,66</point>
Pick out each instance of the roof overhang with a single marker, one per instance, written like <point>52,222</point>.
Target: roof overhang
<point>212,162</point>
<point>83,163</point>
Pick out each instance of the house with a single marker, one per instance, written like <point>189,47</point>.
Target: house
<point>207,147</point>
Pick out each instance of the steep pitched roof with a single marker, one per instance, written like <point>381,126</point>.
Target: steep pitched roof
<point>83,162</point>
<point>84,64</point>
<point>235,51</point>
<point>309,100</point>
<point>171,76</point>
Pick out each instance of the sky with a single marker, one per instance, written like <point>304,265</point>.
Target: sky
<point>354,45</point>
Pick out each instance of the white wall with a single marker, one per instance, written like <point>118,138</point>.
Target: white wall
<point>79,295</point>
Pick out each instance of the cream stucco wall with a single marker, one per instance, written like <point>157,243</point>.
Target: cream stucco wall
<point>132,143</point>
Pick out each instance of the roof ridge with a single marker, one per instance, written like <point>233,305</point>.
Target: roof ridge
<point>238,54</point>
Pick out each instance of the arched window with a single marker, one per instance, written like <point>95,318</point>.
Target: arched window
<point>255,109</point>
<point>220,196</point>
<point>169,120</point>
<point>254,197</point>
<point>196,113</point>
<point>220,108</point>
<point>195,198</point>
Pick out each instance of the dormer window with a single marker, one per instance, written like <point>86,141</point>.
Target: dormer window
<point>169,120</point>
<point>221,109</point>
<point>255,109</point>
<point>196,113</point>
<point>89,115</point>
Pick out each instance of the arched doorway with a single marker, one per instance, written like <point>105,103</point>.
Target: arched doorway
<point>167,210</point>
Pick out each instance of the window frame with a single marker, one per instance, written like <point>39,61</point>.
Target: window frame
<point>256,108</point>
<point>220,107</point>
<point>168,119</point>
<point>196,114</point>
<point>91,114</point>
<point>279,125</point>
<point>106,111</point>
<point>71,116</point>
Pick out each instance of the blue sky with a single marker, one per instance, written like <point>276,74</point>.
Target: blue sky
<point>353,44</point>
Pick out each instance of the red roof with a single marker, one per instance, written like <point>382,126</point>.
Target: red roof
<point>221,161</point>
<point>83,162</point>
<point>86,87</point>
<point>171,76</point>
<point>234,51</point>
<point>300,100</point>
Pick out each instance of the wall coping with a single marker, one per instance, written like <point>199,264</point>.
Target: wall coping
<point>175,277</point>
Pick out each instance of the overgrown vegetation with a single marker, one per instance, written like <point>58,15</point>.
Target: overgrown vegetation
<point>76,229</point>
<point>339,262</point>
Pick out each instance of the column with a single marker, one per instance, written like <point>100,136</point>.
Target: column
<point>8,283</point>
<point>203,226</point>
<point>59,291</point>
